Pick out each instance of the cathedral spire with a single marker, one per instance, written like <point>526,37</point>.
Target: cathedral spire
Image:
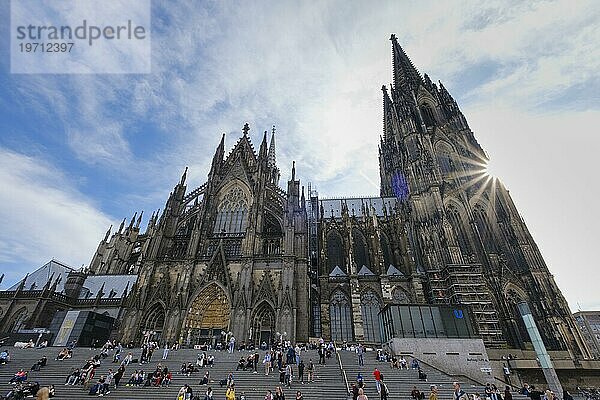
<point>139,220</point>
<point>271,155</point>
<point>293,170</point>
<point>132,221</point>
<point>124,294</point>
<point>122,225</point>
<point>107,233</point>
<point>219,154</point>
<point>406,75</point>
<point>262,153</point>
<point>245,129</point>
<point>184,176</point>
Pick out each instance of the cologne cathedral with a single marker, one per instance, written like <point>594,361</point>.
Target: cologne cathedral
<point>240,255</point>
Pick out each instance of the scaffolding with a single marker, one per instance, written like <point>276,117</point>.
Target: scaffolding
<point>466,285</point>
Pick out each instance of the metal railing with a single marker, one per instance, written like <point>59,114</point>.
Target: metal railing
<point>343,372</point>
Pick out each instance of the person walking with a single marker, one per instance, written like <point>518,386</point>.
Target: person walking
<point>267,363</point>
<point>360,353</point>
<point>310,371</point>
<point>322,355</point>
<point>288,375</point>
<point>166,351</point>
<point>301,372</point>
<point>118,375</point>
<point>377,376</point>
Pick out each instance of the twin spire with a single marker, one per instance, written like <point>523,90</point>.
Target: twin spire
<point>406,76</point>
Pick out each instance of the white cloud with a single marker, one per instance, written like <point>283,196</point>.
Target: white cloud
<point>43,216</point>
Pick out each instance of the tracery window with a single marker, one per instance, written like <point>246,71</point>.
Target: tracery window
<point>335,251</point>
<point>386,250</point>
<point>369,307</point>
<point>340,315</point>
<point>427,114</point>
<point>361,254</point>
<point>232,212</point>
<point>444,154</point>
<point>399,296</point>
<point>481,221</point>
<point>273,235</point>
<point>459,231</point>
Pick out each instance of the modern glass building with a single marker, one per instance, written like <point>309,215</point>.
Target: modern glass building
<point>426,321</point>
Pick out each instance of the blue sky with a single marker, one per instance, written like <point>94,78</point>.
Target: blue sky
<point>80,152</point>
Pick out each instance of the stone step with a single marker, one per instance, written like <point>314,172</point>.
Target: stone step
<point>328,382</point>
<point>401,382</point>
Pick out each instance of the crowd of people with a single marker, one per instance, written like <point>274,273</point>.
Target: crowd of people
<point>284,358</point>
<point>291,362</point>
<point>22,387</point>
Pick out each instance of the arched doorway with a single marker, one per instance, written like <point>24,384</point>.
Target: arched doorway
<point>263,324</point>
<point>154,323</point>
<point>208,316</point>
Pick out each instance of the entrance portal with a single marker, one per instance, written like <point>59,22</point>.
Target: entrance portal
<point>263,324</point>
<point>208,317</point>
<point>153,323</point>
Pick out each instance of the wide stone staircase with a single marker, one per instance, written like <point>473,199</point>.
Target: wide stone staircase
<point>400,382</point>
<point>328,383</point>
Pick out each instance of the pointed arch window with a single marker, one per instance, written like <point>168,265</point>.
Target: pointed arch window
<point>427,114</point>
<point>232,212</point>
<point>369,308</point>
<point>444,155</point>
<point>340,314</point>
<point>387,251</point>
<point>335,251</point>
<point>481,221</point>
<point>360,249</point>
<point>18,320</point>
<point>272,235</point>
<point>458,227</point>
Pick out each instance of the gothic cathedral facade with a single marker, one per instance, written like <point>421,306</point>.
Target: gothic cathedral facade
<point>240,255</point>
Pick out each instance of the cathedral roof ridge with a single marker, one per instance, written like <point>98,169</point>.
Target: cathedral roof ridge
<point>356,197</point>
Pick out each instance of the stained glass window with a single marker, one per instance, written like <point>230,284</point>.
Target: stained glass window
<point>232,212</point>
<point>369,307</point>
<point>340,314</point>
<point>335,251</point>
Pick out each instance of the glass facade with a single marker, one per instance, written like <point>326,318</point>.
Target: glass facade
<point>426,321</point>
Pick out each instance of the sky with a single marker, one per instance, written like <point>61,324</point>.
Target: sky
<point>80,152</point>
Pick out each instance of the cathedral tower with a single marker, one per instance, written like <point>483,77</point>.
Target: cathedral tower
<point>465,227</point>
